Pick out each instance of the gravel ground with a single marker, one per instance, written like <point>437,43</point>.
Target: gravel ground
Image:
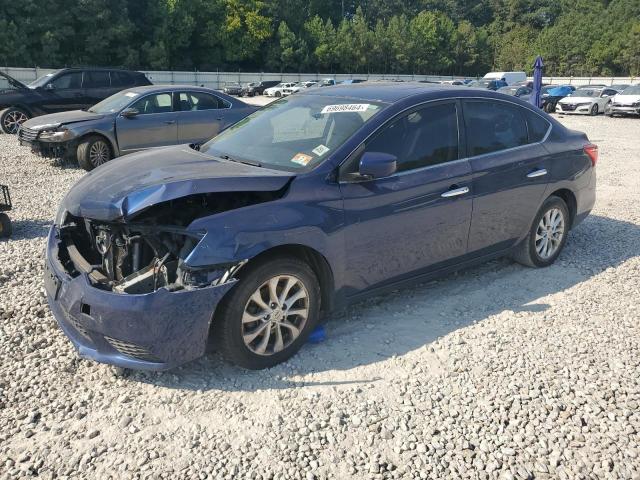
<point>495,372</point>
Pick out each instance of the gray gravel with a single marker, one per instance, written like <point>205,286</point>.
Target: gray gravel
<point>496,372</point>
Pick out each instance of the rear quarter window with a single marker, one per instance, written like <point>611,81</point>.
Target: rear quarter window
<point>537,126</point>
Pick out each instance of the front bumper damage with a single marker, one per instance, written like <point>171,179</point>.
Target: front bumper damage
<point>30,138</point>
<point>154,328</point>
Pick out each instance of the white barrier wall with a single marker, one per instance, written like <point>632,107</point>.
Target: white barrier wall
<point>218,80</point>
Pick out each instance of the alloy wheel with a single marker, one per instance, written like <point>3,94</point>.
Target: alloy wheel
<point>99,153</point>
<point>13,120</point>
<point>275,315</point>
<point>550,233</point>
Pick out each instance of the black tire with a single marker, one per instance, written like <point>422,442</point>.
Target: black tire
<point>549,108</point>
<point>594,109</point>
<point>11,118</point>
<point>526,252</point>
<point>5,226</point>
<point>228,328</point>
<point>278,94</point>
<point>86,152</point>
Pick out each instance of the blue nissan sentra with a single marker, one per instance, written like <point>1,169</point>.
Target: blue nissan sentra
<point>314,201</point>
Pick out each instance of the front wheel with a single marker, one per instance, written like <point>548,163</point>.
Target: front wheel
<point>93,151</point>
<point>278,94</point>
<point>11,118</point>
<point>269,314</point>
<point>547,236</point>
<point>594,109</point>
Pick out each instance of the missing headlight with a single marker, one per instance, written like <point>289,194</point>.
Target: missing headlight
<point>136,259</point>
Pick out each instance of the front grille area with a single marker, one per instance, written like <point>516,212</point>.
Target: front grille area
<point>79,328</point>
<point>568,107</point>
<point>27,134</point>
<point>132,350</point>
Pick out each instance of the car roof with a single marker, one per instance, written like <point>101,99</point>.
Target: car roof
<point>383,91</point>
<point>103,69</point>
<point>168,88</point>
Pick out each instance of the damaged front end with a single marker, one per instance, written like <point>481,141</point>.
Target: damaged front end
<point>148,253</point>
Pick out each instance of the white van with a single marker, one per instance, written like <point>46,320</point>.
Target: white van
<point>509,77</point>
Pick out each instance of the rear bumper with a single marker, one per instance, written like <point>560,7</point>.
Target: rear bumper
<point>155,331</point>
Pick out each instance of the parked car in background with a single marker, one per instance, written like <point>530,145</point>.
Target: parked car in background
<point>516,91</point>
<point>315,202</point>
<point>587,100</point>
<point>509,77</point>
<point>327,82</point>
<point>351,81</point>
<point>551,94</point>
<point>487,84</point>
<point>619,87</point>
<point>299,86</point>
<point>257,88</point>
<point>131,120</point>
<point>453,82</point>
<point>59,91</point>
<point>277,90</point>
<point>625,103</point>
<point>232,89</point>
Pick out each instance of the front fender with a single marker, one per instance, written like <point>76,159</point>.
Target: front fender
<point>99,127</point>
<point>246,232</point>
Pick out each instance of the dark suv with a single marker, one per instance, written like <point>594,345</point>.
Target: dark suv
<point>257,88</point>
<point>65,89</point>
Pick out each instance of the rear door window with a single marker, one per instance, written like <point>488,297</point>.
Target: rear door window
<point>122,79</point>
<point>205,101</point>
<point>492,126</point>
<point>96,80</point>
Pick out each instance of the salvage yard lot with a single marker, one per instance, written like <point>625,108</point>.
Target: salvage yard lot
<point>494,372</point>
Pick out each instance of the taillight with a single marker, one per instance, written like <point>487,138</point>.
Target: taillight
<point>592,151</point>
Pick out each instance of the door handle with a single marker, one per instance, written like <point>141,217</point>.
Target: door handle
<point>541,172</point>
<point>455,192</point>
<point>170,122</point>
<point>219,119</point>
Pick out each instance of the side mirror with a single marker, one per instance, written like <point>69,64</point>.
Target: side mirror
<point>377,165</point>
<point>129,112</point>
<point>49,86</point>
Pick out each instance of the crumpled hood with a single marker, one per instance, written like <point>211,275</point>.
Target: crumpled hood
<point>626,99</point>
<point>54,120</point>
<point>130,184</point>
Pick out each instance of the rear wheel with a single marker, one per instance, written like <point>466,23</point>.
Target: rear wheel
<point>93,151</point>
<point>269,314</point>
<point>11,118</point>
<point>547,236</point>
<point>5,225</point>
<point>594,109</point>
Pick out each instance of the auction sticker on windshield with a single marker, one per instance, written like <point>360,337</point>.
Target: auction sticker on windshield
<point>320,150</point>
<point>347,107</point>
<point>301,159</point>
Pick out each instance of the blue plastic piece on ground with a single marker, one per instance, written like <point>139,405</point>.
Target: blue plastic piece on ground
<point>318,335</point>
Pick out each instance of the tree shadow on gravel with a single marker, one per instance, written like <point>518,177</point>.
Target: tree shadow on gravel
<point>28,229</point>
<point>402,321</point>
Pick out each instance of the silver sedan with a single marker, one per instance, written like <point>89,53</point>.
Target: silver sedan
<point>133,120</point>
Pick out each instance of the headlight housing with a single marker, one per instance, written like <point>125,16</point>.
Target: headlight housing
<point>58,135</point>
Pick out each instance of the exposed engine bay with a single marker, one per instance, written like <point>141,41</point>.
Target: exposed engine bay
<point>148,252</point>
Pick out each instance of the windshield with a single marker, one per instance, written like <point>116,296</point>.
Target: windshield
<point>40,82</point>
<point>293,133</point>
<point>586,92</point>
<point>114,103</point>
<point>508,90</point>
<point>633,90</point>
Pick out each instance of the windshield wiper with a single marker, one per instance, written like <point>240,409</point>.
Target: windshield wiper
<point>246,162</point>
